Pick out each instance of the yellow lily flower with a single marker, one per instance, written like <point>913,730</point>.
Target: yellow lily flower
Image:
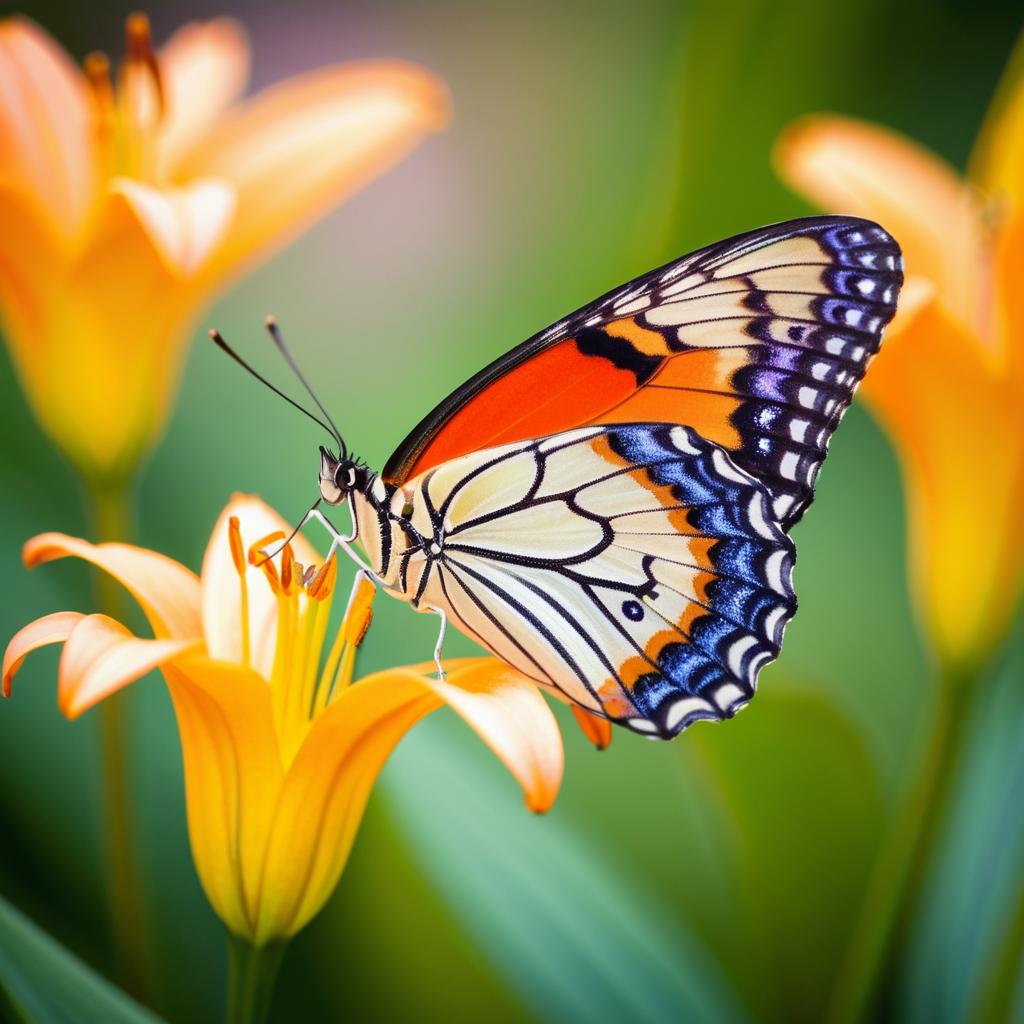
<point>280,748</point>
<point>948,386</point>
<point>127,204</point>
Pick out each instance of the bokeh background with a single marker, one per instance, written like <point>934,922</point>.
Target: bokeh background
<point>717,877</point>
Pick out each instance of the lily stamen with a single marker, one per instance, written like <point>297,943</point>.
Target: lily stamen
<point>238,557</point>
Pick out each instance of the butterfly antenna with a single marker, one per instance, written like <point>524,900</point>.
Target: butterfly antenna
<point>275,334</point>
<point>215,336</point>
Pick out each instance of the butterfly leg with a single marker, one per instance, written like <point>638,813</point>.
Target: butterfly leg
<point>338,540</point>
<point>440,642</point>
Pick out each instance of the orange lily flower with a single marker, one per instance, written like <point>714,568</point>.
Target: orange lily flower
<point>948,386</point>
<point>126,205</point>
<point>280,748</point>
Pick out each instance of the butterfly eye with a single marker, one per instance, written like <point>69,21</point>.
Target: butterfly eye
<point>350,477</point>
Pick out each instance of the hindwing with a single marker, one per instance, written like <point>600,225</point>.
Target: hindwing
<point>634,569</point>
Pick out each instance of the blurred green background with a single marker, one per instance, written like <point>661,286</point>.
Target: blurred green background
<point>714,878</point>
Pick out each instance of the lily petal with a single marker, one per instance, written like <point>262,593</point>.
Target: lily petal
<point>855,167</point>
<point>50,629</point>
<point>45,143</point>
<point>204,68</point>
<point>326,789</point>
<point>232,778</point>
<point>186,224</point>
<point>166,591</point>
<point>1009,298</point>
<point>508,712</point>
<point>598,730</point>
<point>222,608</point>
<point>931,366</point>
<point>997,163</point>
<point>299,148</point>
<point>101,657</point>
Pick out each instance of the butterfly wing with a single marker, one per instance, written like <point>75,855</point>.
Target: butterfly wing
<point>633,569</point>
<point>757,343</point>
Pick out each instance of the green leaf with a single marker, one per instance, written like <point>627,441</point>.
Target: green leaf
<point>965,956</point>
<point>575,936</point>
<point>42,983</point>
<point>797,782</point>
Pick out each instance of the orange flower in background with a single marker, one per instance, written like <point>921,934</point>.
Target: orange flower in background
<point>128,201</point>
<point>280,748</point>
<point>948,386</point>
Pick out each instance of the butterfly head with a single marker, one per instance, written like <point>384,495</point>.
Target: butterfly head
<point>340,476</point>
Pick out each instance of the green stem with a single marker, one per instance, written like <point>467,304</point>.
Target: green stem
<point>894,890</point>
<point>252,971</point>
<point>996,1000</point>
<point>112,511</point>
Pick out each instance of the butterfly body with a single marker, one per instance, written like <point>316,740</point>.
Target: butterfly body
<point>607,507</point>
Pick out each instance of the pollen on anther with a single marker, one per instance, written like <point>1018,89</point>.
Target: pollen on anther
<point>270,571</point>
<point>287,564</point>
<point>257,556</point>
<point>138,37</point>
<point>321,585</point>
<point>359,614</point>
<point>237,548</point>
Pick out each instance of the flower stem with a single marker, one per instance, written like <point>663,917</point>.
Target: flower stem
<point>111,508</point>
<point>894,890</point>
<point>252,971</point>
<point>995,1001</point>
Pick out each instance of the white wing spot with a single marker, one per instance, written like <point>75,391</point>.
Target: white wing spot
<point>773,569</point>
<point>807,397</point>
<point>737,651</point>
<point>789,464</point>
<point>726,468</point>
<point>683,708</point>
<point>681,439</point>
<point>783,503</point>
<point>728,695</point>
<point>641,725</point>
<point>757,517</point>
<point>771,623</point>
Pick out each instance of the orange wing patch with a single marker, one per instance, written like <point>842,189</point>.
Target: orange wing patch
<point>556,390</point>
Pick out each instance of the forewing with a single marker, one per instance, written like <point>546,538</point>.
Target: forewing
<point>757,343</point>
<point>635,569</point>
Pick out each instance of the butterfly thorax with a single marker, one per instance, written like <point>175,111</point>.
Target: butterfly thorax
<point>397,535</point>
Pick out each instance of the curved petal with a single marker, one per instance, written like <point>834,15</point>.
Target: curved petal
<point>954,421</point>
<point>232,778</point>
<point>167,592</point>
<point>997,163</point>
<point>101,657</point>
<point>511,716</point>
<point>1008,273</point>
<point>50,629</point>
<point>326,789</point>
<point>204,68</point>
<point>185,224</point>
<point>852,166</point>
<point>296,150</point>
<point>45,141</point>
<point>222,610</point>
<point>598,730</point>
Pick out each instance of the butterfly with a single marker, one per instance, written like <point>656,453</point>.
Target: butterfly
<point>608,506</point>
